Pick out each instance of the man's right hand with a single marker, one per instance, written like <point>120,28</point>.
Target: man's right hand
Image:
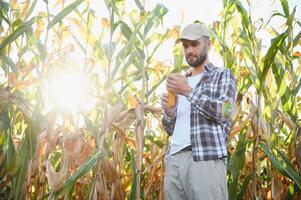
<point>169,111</point>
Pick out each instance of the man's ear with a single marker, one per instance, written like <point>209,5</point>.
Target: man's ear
<point>209,43</point>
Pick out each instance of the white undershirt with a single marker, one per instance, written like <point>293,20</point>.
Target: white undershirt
<point>181,134</point>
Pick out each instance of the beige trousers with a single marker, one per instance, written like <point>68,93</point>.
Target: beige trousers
<point>186,179</point>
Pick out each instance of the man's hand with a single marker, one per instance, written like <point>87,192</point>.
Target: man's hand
<point>178,84</point>
<point>170,111</point>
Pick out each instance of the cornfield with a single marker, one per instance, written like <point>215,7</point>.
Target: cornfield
<point>109,142</point>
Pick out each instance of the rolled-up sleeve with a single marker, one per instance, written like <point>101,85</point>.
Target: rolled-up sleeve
<point>220,106</point>
<point>168,124</point>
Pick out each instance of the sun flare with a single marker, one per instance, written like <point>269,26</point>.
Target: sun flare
<point>68,91</point>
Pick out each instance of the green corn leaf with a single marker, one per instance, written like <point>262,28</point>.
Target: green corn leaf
<point>22,165</point>
<point>298,87</point>
<point>244,187</point>
<point>270,56</point>
<point>283,166</point>
<point>285,7</point>
<point>290,19</point>
<point>155,140</point>
<point>156,15</point>
<point>115,25</point>
<point>10,63</point>
<point>126,31</point>
<point>236,164</point>
<point>39,45</point>
<point>10,152</point>
<point>4,8</point>
<point>155,87</point>
<point>127,49</point>
<point>16,33</point>
<point>283,156</point>
<point>297,39</point>
<point>64,13</point>
<point>243,14</point>
<point>133,185</point>
<point>78,173</point>
<point>284,91</point>
<point>139,5</point>
<point>33,5</point>
<point>274,15</point>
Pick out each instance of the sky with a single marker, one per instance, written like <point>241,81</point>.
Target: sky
<point>183,12</point>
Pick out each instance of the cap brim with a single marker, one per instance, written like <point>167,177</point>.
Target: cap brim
<point>188,37</point>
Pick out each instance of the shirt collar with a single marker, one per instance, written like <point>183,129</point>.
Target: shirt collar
<point>208,67</point>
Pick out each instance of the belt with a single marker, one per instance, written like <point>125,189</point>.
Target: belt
<point>188,148</point>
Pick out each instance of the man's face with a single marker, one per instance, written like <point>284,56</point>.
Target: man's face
<point>196,51</point>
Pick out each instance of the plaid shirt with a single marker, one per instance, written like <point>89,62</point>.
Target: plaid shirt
<point>212,104</point>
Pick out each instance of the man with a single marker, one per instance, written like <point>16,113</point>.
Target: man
<point>199,124</point>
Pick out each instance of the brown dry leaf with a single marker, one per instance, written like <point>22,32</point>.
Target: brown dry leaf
<point>55,179</point>
<point>249,133</point>
<point>14,5</point>
<point>78,146</point>
<point>244,72</point>
<point>2,157</point>
<point>105,23</point>
<point>23,84</point>
<point>26,70</point>
<point>154,150</point>
<point>117,146</point>
<point>280,188</point>
<point>41,140</point>
<point>32,171</point>
<point>1,29</point>
<point>79,191</point>
<point>125,122</point>
<point>12,79</point>
<point>58,2</point>
<point>119,191</point>
<point>174,32</point>
<point>40,25</point>
<point>264,129</point>
<point>109,170</point>
<point>131,142</point>
<point>216,25</point>
<point>297,54</point>
<point>114,114</point>
<point>100,191</point>
<point>159,69</point>
<point>240,126</point>
<point>6,96</point>
<point>65,31</point>
<point>133,101</point>
<point>25,7</point>
<point>260,156</point>
<point>53,141</point>
<point>83,30</point>
<point>288,122</point>
<point>154,110</point>
<point>155,161</point>
<point>70,138</point>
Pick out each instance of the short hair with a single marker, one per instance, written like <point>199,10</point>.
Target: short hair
<point>206,38</point>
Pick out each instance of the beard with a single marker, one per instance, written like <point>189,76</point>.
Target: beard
<point>195,61</point>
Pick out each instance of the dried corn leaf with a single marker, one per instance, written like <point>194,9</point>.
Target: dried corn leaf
<point>289,123</point>
<point>55,179</point>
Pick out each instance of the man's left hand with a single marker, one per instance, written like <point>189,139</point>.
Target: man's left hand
<point>178,84</point>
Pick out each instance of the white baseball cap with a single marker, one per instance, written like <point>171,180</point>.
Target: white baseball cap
<point>193,32</point>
